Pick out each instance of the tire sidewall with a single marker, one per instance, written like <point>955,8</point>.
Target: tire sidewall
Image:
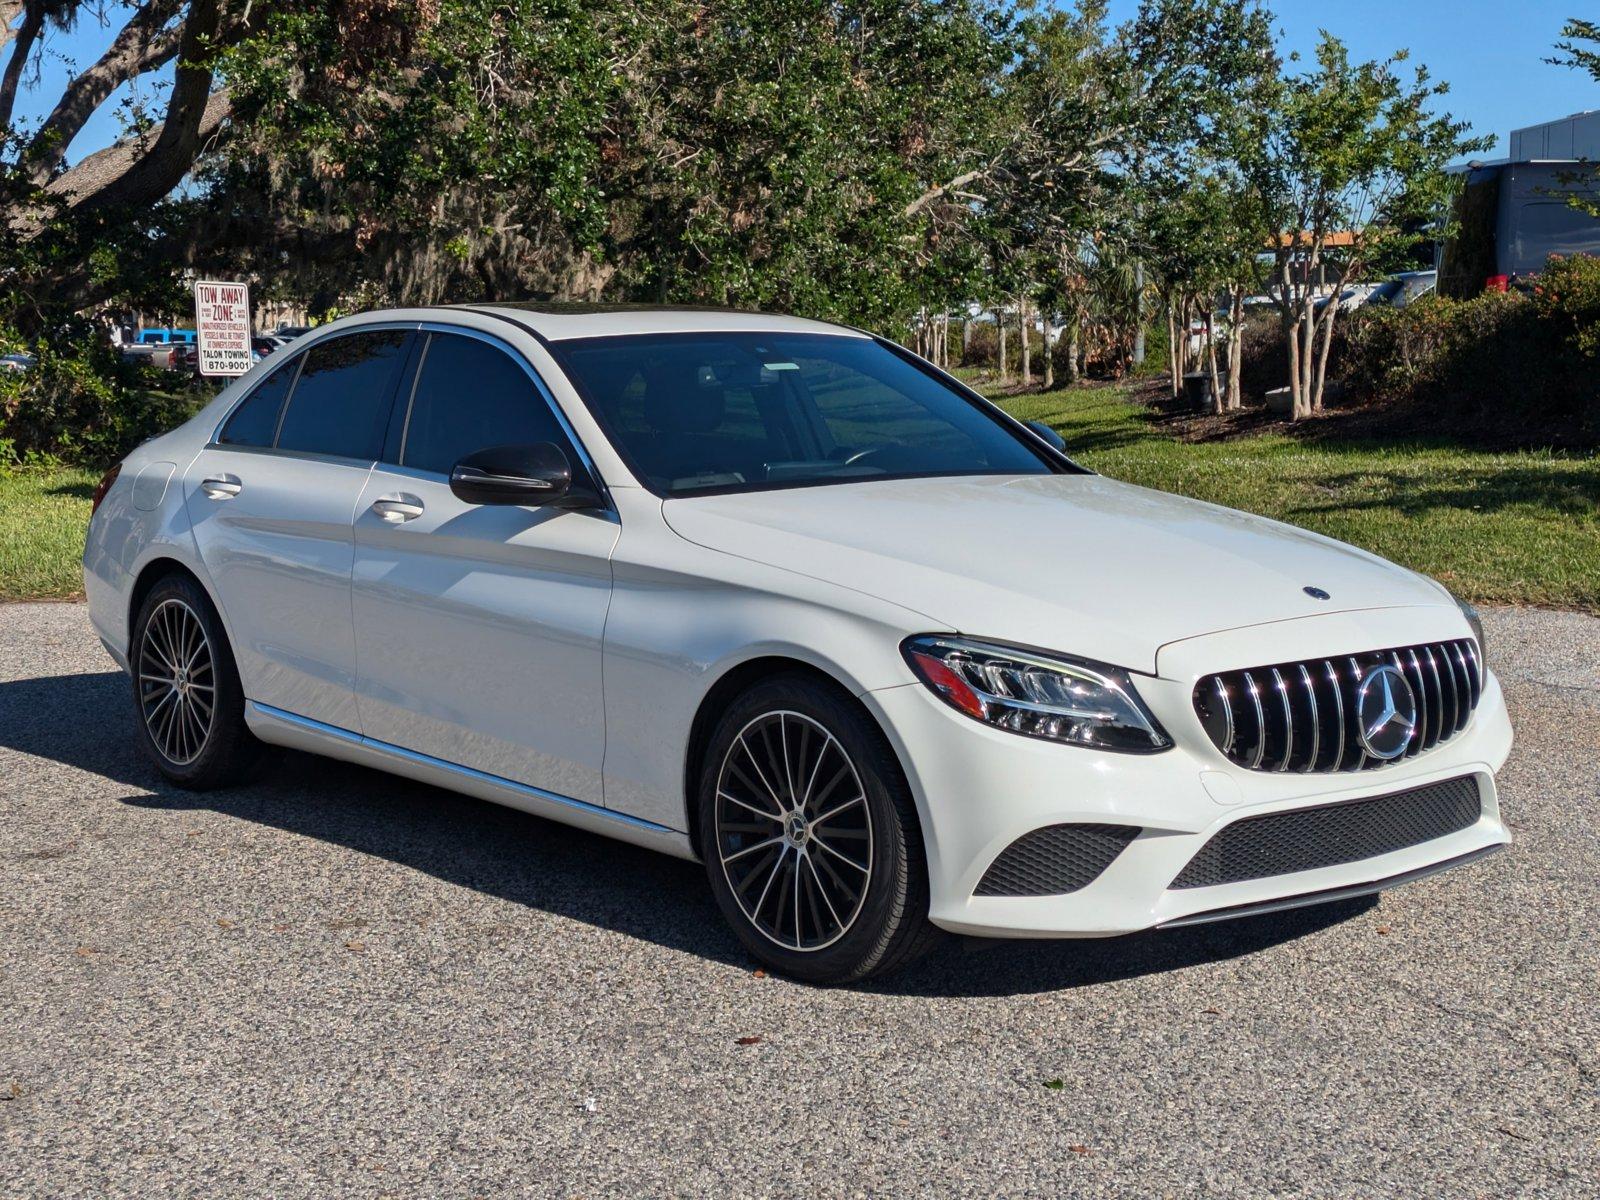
<point>886,792</point>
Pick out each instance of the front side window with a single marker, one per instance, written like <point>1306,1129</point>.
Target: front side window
<point>341,401</point>
<point>470,396</point>
<point>738,411</point>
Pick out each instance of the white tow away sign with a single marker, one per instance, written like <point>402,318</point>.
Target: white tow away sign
<point>222,324</point>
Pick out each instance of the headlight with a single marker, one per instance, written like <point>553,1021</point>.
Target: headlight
<point>1473,619</point>
<point>1059,699</point>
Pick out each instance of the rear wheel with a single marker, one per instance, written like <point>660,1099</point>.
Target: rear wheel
<point>187,697</point>
<point>810,836</point>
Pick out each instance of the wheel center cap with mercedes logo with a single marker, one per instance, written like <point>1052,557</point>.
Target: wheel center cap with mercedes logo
<point>1386,709</point>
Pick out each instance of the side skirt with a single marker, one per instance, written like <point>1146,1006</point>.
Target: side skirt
<point>283,728</point>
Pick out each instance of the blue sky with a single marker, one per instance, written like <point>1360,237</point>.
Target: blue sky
<point>1489,50</point>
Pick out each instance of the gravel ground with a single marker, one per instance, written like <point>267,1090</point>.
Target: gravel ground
<point>338,982</point>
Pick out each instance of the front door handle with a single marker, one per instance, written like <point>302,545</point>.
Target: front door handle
<point>400,507</point>
<point>221,487</point>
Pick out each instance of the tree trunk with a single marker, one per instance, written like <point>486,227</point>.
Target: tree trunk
<point>1174,365</point>
<point>1000,323</point>
<point>1027,342</point>
<point>966,338</point>
<point>1323,349</point>
<point>1211,361</point>
<point>1074,335</point>
<point>1049,359</point>
<point>1235,348</point>
<point>1138,313</point>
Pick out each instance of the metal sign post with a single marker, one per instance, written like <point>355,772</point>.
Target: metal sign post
<point>222,324</point>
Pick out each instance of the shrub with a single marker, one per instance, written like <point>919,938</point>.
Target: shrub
<point>1567,295</point>
<point>81,404</point>
<point>1499,363</point>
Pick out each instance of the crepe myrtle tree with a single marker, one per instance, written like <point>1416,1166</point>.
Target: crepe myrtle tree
<point>1351,167</point>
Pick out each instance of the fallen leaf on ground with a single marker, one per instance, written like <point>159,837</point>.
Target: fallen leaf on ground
<point>1383,929</point>
<point>748,1041</point>
<point>355,945</point>
<point>1055,1085</point>
<point>1214,1011</point>
<point>84,951</point>
<point>224,922</point>
<point>1079,1149</point>
<point>760,974</point>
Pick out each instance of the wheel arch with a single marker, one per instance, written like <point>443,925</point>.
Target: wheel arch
<point>732,683</point>
<point>152,573</point>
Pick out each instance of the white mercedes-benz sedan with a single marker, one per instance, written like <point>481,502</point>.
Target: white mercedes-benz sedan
<point>782,597</point>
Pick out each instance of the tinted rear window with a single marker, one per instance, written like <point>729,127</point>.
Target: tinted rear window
<point>341,402</point>
<point>256,420</point>
<point>471,396</point>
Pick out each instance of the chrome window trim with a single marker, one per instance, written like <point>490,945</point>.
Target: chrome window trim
<point>539,386</point>
<point>311,341</point>
<point>431,326</point>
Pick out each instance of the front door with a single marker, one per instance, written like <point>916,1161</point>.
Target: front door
<point>478,628</point>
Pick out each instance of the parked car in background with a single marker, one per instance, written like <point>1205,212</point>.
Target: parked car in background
<point>1405,288</point>
<point>884,659</point>
<point>263,344</point>
<point>290,332</point>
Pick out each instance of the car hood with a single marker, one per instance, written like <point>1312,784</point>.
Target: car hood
<point>1075,563</point>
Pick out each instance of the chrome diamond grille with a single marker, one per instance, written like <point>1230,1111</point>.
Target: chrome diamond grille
<point>1301,716</point>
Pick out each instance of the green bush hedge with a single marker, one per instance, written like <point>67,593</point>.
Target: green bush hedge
<point>1501,363</point>
<point>82,405</point>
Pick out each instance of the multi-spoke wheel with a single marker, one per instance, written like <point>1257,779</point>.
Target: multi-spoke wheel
<point>177,682</point>
<point>793,831</point>
<point>186,690</point>
<point>810,836</point>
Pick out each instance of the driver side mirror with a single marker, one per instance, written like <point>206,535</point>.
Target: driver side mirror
<point>1048,434</point>
<point>533,475</point>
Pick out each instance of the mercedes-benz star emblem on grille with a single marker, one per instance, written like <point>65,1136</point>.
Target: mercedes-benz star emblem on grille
<point>1386,708</point>
<point>1316,593</point>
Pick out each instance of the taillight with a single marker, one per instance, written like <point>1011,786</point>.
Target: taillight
<point>101,488</point>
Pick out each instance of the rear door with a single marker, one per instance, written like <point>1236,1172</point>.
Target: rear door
<point>271,502</point>
<point>478,627</point>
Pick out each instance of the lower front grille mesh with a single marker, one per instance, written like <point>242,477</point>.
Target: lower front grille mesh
<point>1055,860</point>
<point>1304,839</point>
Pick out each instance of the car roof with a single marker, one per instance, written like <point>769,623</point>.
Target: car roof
<point>561,321</point>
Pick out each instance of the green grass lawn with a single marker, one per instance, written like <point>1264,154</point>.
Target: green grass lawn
<point>43,513</point>
<point>1508,528</point>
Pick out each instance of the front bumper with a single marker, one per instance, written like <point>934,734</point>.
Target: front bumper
<point>979,789</point>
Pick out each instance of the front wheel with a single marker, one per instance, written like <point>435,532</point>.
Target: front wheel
<point>810,837</point>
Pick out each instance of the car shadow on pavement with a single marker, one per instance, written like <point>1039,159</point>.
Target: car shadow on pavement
<point>568,872</point>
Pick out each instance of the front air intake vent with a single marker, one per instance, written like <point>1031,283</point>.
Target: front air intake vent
<point>1055,860</point>
<point>1328,835</point>
<point>1303,716</point>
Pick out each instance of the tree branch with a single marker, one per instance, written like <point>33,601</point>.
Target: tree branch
<point>144,44</point>
<point>26,35</point>
<point>106,173</point>
<point>121,176</point>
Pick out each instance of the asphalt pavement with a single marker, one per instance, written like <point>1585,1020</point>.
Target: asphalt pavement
<point>334,982</point>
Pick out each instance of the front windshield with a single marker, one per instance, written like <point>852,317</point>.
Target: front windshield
<point>696,413</point>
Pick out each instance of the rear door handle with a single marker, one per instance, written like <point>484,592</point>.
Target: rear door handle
<point>221,487</point>
<point>400,507</point>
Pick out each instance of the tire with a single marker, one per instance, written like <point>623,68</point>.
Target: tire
<point>179,659</point>
<point>786,752</point>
